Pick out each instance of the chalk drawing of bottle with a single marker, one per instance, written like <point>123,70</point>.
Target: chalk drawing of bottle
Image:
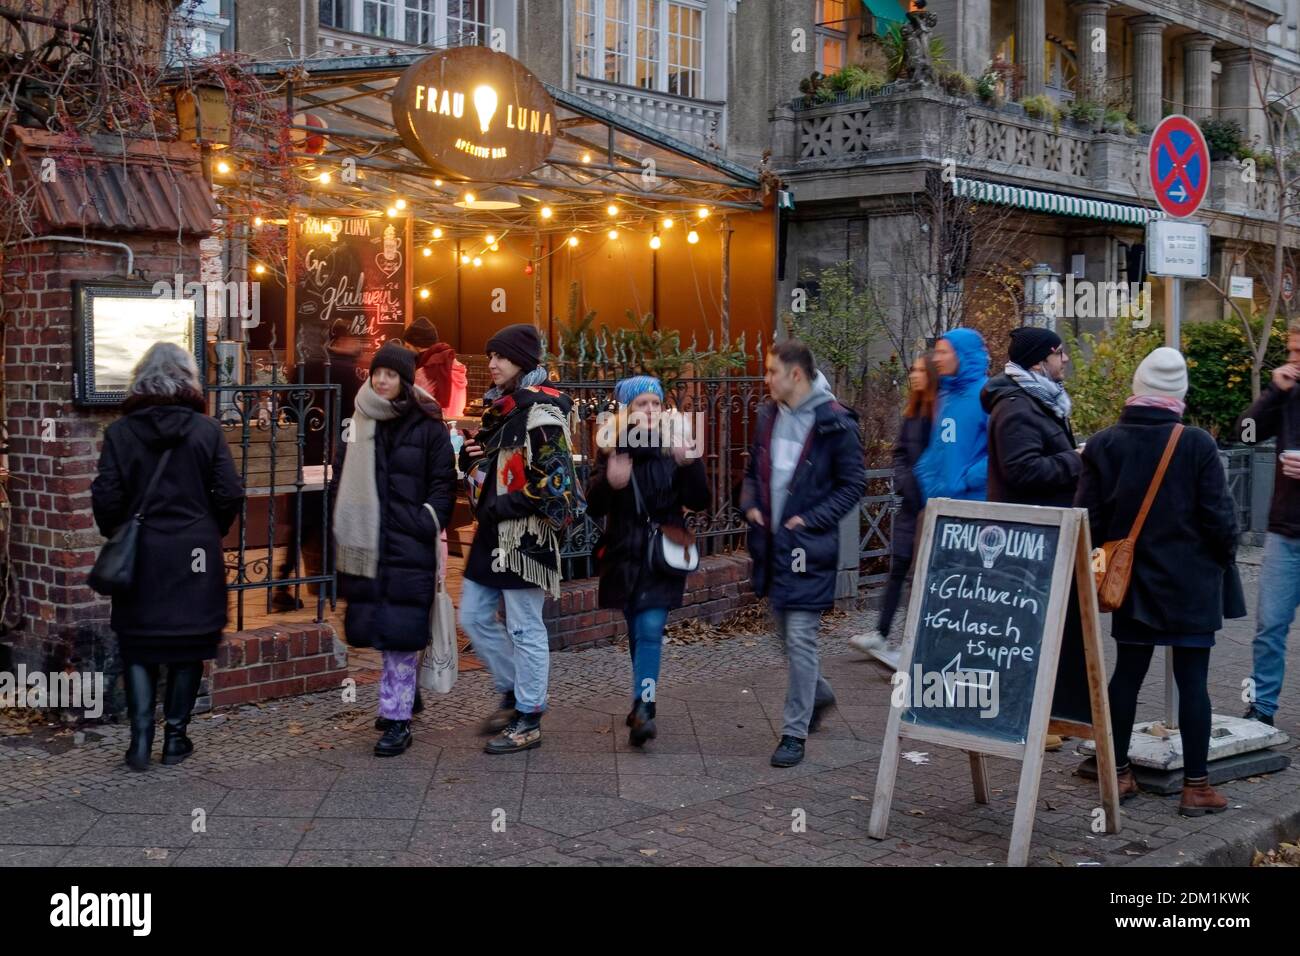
<point>390,243</point>
<point>990,542</point>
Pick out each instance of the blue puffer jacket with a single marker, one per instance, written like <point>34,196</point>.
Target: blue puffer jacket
<point>797,569</point>
<point>956,462</point>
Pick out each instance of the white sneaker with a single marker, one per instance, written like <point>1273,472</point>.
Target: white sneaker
<point>866,643</point>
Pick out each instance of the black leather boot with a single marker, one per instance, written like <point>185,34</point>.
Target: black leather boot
<point>141,683</point>
<point>182,690</point>
<point>643,725</point>
<point>395,740</point>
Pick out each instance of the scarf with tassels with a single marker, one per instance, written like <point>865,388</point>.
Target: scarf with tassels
<point>545,474</point>
<point>356,507</point>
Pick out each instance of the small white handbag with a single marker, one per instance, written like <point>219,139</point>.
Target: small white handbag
<point>440,666</point>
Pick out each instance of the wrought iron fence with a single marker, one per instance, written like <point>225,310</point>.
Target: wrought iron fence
<point>282,438</point>
<point>877,510</point>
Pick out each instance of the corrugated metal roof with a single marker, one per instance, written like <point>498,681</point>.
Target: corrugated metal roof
<point>147,187</point>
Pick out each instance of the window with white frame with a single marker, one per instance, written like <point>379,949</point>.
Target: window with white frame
<point>418,22</point>
<point>832,35</point>
<point>652,44</point>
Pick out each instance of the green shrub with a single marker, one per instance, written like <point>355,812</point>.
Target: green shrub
<point>1086,111</point>
<point>1042,106</point>
<point>986,87</point>
<point>1218,371</point>
<point>1101,370</point>
<point>957,83</point>
<point>1223,137</point>
<point>1115,117</point>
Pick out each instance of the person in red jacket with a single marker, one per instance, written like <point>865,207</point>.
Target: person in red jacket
<point>436,369</point>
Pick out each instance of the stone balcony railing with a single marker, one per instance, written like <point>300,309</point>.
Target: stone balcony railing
<point>1000,143</point>
<point>700,123</point>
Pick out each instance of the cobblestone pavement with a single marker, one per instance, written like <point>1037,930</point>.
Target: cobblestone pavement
<point>295,782</point>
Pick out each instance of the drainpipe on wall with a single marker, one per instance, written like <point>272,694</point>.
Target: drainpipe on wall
<point>130,253</point>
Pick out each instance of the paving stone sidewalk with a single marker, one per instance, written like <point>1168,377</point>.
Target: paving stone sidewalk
<point>296,783</point>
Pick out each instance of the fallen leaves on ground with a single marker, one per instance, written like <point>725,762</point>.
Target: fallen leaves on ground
<point>1286,854</point>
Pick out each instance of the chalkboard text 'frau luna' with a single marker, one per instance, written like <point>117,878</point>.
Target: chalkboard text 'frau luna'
<point>990,541</point>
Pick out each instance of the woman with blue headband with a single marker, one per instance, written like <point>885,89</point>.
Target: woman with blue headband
<point>648,472</point>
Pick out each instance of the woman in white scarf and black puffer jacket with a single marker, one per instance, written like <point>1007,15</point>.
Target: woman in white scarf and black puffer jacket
<point>392,468</point>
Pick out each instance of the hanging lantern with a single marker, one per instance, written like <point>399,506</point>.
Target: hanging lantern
<point>528,269</point>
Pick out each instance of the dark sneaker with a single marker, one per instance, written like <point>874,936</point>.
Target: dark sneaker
<point>522,733</point>
<point>788,753</point>
<point>499,718</point>
<point>643,725</point>
<point>395,740</point>
<point>818,709</point>
<point>1255,713</point>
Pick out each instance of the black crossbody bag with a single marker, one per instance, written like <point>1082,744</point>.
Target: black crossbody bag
<point>670,551</point>
<point>114,569</point>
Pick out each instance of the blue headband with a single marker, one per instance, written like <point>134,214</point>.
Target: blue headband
<point>627,390</point>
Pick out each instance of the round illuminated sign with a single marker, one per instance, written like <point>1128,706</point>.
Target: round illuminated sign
<point>472,113</point>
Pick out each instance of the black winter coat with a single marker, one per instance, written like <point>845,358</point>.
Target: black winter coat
<point>1276,414</point>
<point>193,505</point>
<point>1032,460</point>
<point>413,465</point>
<point>1190,536</point>
<point>797,569</point>
<point>626,581</point>
<point>913,437</point>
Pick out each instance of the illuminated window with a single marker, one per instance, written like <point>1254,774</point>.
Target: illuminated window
<point>651,44</point>
<point>832,35</point>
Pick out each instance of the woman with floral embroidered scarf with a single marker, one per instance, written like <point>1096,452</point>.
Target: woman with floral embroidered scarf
<point>524,493</point>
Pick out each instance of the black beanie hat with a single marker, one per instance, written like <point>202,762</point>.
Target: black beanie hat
<point>402,361</point>
<point>1030,345</point>
<point>421,333</point>
<point>519,343</point>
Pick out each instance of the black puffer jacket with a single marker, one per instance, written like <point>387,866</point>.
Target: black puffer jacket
<point>1190,535</point>
<point>1276,414</point>
<point>413,465</point>
<point>194,503</point>
<point>913,437</point>
<point>1032,460</point>
<point>626,582</point>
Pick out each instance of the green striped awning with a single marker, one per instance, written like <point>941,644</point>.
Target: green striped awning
<point>1055,203</point>
<point>885,12</point>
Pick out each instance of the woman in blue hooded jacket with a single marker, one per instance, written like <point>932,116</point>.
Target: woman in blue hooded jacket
<point>955,463</point>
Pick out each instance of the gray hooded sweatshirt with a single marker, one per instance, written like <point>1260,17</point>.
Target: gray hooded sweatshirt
<point>788,436</point>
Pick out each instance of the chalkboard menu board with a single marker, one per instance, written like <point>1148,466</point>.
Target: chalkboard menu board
<point>979,632</point>
<point>355,269</point>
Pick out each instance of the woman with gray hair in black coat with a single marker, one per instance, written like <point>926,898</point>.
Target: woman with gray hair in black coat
<point>175,610</point>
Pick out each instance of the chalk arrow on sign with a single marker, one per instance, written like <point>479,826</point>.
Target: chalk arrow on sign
<point>950,682</point>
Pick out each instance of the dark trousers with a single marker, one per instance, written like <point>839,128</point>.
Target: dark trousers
<point>899,566</point>
<point>1191,672</point>
<point>306,543</point>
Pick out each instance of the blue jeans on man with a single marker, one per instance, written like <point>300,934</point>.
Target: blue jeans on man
<point>1279,596</point>
<point>518,653</point>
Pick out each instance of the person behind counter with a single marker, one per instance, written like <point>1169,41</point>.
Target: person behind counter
<point>437,370</point>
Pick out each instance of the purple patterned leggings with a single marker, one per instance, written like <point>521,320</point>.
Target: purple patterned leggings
<point>397,684</point>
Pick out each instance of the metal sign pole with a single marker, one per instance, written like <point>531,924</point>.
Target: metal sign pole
<point>1173,339</point>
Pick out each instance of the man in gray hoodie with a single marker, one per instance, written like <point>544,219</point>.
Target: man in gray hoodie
<point>805,473</point>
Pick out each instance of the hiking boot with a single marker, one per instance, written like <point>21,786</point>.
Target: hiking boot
<point>815,722</point>
<point>522,733</point>
<point>1128,784</point>
<point>866,643</point>
<point>397,738</point>
<point>788,752</point>
<point>1254,713</point>
<point>643,725</point>
<point>500,717</point>
<point>1199,798</point>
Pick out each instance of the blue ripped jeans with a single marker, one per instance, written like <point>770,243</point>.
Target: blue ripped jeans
<point>645,642</point>
<point>517,653</point>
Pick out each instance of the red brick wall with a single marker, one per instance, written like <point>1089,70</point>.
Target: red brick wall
<point>275,662</point>
<point>54,446</point>
<point>721,587</point>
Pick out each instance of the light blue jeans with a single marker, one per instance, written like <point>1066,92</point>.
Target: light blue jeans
<point>1279,595</point>
<point>519,653</point>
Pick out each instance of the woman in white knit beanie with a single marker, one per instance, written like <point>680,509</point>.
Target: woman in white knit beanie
<point>1183,559</point>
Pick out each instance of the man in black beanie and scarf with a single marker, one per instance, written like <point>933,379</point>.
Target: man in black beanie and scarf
<point>524,493</point>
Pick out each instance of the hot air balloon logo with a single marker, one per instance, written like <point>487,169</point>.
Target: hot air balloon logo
<point>485,104</point>
<point>990,542</point>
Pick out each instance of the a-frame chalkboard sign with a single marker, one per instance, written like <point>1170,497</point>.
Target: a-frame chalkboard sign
<point>979,662</point>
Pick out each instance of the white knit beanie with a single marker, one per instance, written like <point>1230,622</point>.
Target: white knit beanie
<point>1163,373</point>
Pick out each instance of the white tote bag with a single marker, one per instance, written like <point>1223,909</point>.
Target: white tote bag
<point>440,666</point>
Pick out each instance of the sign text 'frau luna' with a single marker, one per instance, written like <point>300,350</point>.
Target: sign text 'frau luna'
<point>472,113</point>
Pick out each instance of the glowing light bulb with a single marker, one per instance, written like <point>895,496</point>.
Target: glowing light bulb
<point>399,203</point>
<point>323,178</point>
<point>611,209</point>
<point>257,220</point>
<point>478,261</point>
<point>223,167</point>
<point>438,183</point>
<point>692,237</point>
<point>490,238</point>
<point>573,241</point>
<point>392,211</point>
<point>464,260</point>
<point>424,293</point>
<point>485,104</point>
<point>703,212</point>
<point>427,252</point>
<point>495,247</point>
<point>586,157</point>
<point>469,199</point>
<point>655,242</point>
<point>613,234</point>
<point>547,212</point>
<point>437,233</point>
<point>259,269</point>
<point>667,222</point>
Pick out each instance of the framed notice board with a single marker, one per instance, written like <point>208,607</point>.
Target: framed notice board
<point>982,649</point>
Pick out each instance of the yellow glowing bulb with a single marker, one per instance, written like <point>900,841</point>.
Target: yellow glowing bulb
<point>547,212</point>
<point>692,237</point>
<point>613,234</point>
<point>490,238</point>
<point>257,220</point>
<point>586,157</point>
<point>223,167</point>
<point>392,211</point>
<point>259,269</point>
<point>495,247</point>
<point>612,209</point>
<point>424,293</point>
<point>667,223</point>
<point>655,242</point>
<point>324,178</point>
<point>464,260</point>
<point>478,261</point>
<point>437,233</point>
<point>438,183</point>
<point>427,252</point>
<point>400,203</point>
<point>469,198</point>
<point>573,241</point>
<point>703,212</point>
<point>485,104</point>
